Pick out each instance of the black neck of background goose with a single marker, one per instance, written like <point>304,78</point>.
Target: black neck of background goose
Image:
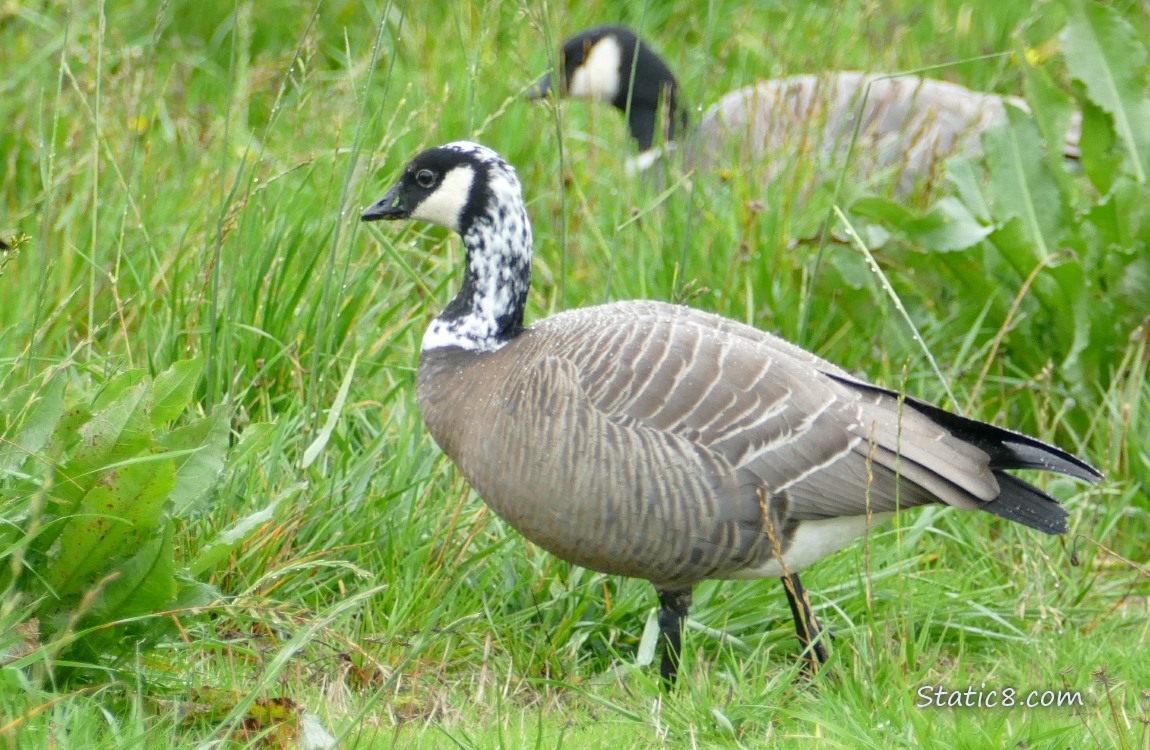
<point>488,310</point>
<point>655,98</point>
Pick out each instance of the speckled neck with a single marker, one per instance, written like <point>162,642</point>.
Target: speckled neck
<point>488,310</point>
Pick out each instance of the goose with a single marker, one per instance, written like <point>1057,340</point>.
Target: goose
<point>909,124</point>
<point>656,441</point>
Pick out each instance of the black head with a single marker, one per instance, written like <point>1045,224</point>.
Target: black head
<point>598,64</point>
<point>448,185</point>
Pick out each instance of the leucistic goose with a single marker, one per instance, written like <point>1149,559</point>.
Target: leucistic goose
<point>908,125</point>
<point>652,440</point>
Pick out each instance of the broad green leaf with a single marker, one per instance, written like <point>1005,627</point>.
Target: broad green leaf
<point>1053,112</point>
<point>1104,52</point>
<point>252,440</point>
<point>30,424</point>
<point>892,212</point>
<point>1059,286</point>
<point>1075,312</point>
<point>13,405</point>
<point>197,472</point>
<point>1115,223</point>
<point>1134,282</point>
<point>849,272</point>
<point>966,176</point>
<point>104,550</point>
<point>1021,186</point>
<point>192,593</point>
<point>147,580</point>
<point>1118,247</point>
<point>116,387</point>
<point>67,431</point>
<point>114,519</point>
<point>965,281</point>
<point>113,433</point>
<point>948,226</point>
<point>1101,158</point>
<point>173,389</point>
<point>1013,242</point>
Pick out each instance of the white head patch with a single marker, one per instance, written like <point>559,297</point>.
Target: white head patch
<point>599,75</point>
<point>445,206</point>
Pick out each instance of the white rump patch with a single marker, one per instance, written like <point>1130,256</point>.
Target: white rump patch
<point>599,75</point>
<point>813,541</point>
<point>445,206</point>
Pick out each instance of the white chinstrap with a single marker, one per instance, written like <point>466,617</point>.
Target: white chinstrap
<point>445,206</point>
<point>598,78</point>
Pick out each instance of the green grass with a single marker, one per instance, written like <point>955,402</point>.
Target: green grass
<point>189,177</point>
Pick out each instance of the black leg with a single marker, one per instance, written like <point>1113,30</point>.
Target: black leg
<point>673,606</point>
<point>810,637</point>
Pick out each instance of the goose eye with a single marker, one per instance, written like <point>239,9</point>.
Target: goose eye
<point>425,178</point>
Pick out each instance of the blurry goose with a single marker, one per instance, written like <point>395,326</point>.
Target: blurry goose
<point>909,124</point>
<point>652,440</point>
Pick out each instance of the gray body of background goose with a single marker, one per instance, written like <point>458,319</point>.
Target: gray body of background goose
<point>908,125</point>
<point>652,440</point>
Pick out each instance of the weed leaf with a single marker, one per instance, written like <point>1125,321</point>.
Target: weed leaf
<point>1104,52</point>
<point>197,472</point>
<point>173,388</point>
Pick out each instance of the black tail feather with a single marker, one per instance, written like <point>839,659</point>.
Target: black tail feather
<point>1033,454</point>
<point>1008,449</point>
<point>1018,500</point>
<point>1022,502</point>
